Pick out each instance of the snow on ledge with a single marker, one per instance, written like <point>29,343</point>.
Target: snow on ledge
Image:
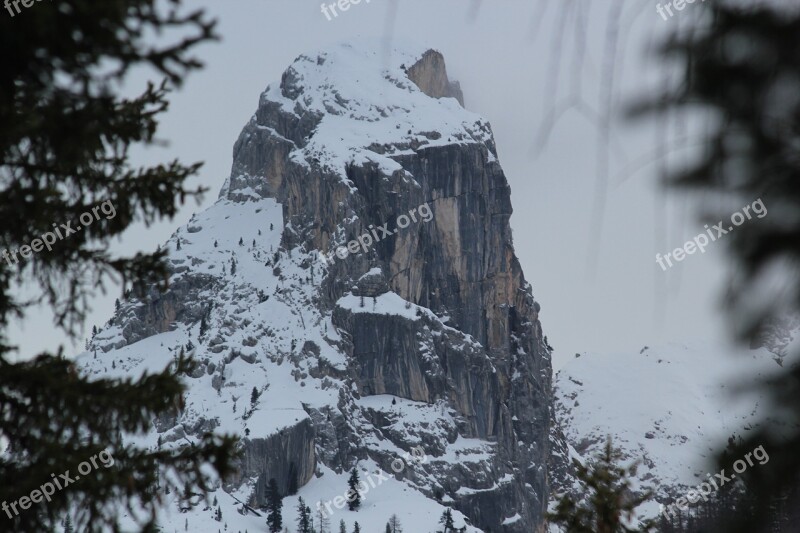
<point>388,303</point>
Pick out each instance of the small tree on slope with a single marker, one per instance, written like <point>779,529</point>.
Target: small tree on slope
<point>447,521</point>
<point>304,517</point>
<point>323,522</point>
<point>394,525</point>
<point>353,496</point>
<point>609,505</point>
<point>274,507</point>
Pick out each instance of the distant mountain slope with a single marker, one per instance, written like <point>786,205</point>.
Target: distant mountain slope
<point>671,407</point>
<point>426,338</point>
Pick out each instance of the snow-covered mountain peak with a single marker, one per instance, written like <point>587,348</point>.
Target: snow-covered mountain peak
<point>426,337</point>
<point>353,105</point>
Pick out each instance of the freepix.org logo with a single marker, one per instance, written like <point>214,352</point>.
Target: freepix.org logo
<point>341,5</point>
<point>716,231</point>
<point>15,3</point>
<point>677,4</point>
<point>48,239</point>
<point>48,488</point>
<point>373,481</point>
<point>376,234</point>
<point>707,488</point>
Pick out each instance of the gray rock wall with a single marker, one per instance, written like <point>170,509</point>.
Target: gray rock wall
<point>460,264</point>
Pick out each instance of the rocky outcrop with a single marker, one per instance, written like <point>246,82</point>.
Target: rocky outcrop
<point>158,311</point>
<point>288,457</point>
<point>430,75</point>
<point>490,362</point>
<point>429,310</point>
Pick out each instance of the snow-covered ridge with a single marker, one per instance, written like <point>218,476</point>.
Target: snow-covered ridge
<point>671,407</point>
<point>366,109</point>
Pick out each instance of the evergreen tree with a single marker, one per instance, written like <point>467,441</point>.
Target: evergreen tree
<point>323,522</point>
<point>65,138</point>
<point>342,527</point>
<point>274,507</point>
<point>394,525</point>
<point>447,521</point>
<point>304,517</point>
<point>353,496</point>
<point>751,159</point>
<point>388,528</point>
<point>356,528</point>
<point>68,525</point>
<point>254,397</point>
<point>609,502</point>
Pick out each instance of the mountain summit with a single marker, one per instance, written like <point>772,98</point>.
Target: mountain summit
<point>354,302</point>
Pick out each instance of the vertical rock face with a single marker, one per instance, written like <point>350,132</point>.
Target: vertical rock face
<point>381,267</point>
<point>430,75</point>
<point>287,456</point>
<point>492,366</point>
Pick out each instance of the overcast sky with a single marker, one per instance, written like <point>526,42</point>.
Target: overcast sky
<point>505,55</point>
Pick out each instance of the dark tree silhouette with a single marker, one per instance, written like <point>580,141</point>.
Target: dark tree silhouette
<point>742,66</point>
<point>447,521</point>
<point>303,517</point>
<point>254,397</point>
<point>353,496</point>
<point>274,507</point>
<point>65,135</point>
<point>609,502</point>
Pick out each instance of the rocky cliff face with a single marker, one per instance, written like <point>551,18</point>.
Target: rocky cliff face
<point>358,271</point>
